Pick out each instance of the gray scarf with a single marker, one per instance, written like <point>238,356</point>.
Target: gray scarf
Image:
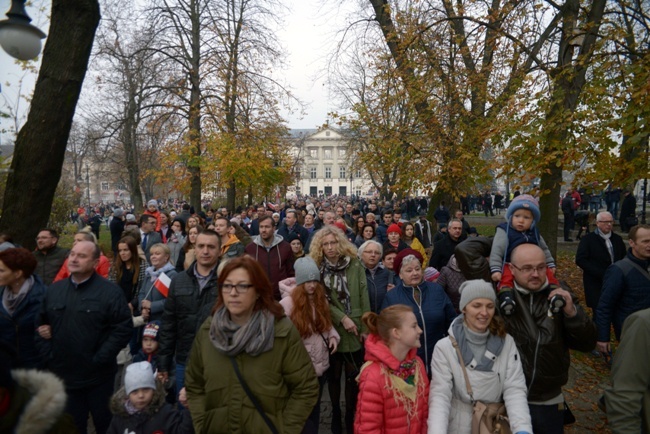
<point>253,338</point>
<point>336,281</point>
<point>11,301</point>
<point>493,347</point>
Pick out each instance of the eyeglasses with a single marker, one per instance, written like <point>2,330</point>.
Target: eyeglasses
<point>607,222</point>
<point>330,244</point>
<point>529,269</point>
<point>242,288</point>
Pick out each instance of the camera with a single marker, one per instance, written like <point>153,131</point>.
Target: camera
<point>557,303</point>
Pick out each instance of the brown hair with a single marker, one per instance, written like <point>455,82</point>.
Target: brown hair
<point>389,318</point>
<point>260,282</point>
<point>307,317</point>
<point>632,233</point>
<point>19,259</point>
<point>497,326</point>
<point>135,259</point>
<point>189,246</point>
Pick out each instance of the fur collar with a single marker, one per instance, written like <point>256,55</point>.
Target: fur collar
<point>47,403</point>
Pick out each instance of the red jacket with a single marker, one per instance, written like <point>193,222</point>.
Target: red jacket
<point>380,408</point>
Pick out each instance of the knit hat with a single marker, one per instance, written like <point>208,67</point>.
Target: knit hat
<point>139,376</point>
<point>151,330</point>
<point>394,228</point>
<point>130,218</point>
<point>431,274</point>
<point>153,202</point>
<point>473,289</point>
<point>292,237</point>
<point>397,264</point>
<point>118,212</point>
<point>306,270</point>
<point>524,201</point>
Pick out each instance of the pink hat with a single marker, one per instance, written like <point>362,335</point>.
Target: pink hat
<point>431,274</point>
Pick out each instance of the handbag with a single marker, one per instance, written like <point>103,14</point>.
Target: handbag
<point>490,418</point>
<point>252,397</point>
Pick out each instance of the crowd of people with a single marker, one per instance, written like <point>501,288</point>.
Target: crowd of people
<point>220,322</point>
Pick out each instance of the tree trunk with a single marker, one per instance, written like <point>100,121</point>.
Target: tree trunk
<point>195,109</point>
<point>41,143</point>
<point>231,194</point>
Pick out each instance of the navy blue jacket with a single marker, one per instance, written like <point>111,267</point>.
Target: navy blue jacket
<point>18,329</point>
<point>624,292</point>
<point>434,314</point>
<point>377,284</point>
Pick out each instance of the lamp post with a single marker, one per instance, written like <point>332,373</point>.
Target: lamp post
<point>17,36</point>
<point>351,179</point>
<point>88,187</point>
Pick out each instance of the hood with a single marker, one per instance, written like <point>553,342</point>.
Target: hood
<point>453,264</point>
<point>232,239</point>
<point>286,286</point>
<point>378,351</point>
<point>119,398</point>
<point>47,403</point>
<point>277,239</point>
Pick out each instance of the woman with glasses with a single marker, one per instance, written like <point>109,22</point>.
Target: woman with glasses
<point>345,285</point>
<point>248,370</point>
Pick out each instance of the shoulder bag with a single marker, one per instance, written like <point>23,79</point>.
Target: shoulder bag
<point>252,397</point>
<point>488,418</point>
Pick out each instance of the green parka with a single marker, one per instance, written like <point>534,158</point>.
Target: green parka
<point>282,379</point>
<point>359,303</point>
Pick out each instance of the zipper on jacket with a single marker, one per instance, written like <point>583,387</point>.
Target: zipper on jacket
<point>424,327</point>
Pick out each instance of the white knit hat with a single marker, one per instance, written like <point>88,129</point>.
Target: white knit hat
<point>473,289</point>
<point>139,376</point>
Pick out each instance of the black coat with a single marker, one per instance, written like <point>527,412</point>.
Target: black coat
<point>185,310</point>
<point>592,256</point>
<point>628,207</point>
<point>442,251</point>
<point>91,322</point>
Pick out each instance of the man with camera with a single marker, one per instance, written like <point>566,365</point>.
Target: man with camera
<point>549,323</point>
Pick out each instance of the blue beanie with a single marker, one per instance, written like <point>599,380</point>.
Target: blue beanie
<point>524,201</point>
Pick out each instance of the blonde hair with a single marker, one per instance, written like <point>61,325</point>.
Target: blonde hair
<point>345,248</point>
<point>390,318</point>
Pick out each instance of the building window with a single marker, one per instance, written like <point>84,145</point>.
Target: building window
<point>327,154</point>
<point>358,175</point>
<point>313,153</point>
<point>313,191</point>
<point>312,172</point>
<point>104,186</point>
<point>341,153</point>
<point>217,175</point>
<point>342,172</point>
<point>328,172</point>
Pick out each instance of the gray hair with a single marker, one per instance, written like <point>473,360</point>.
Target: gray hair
<point>408,259</point>
<point>366,244</point>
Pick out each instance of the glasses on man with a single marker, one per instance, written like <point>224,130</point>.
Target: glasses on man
<point>241,288</point>
<point>529,269</point>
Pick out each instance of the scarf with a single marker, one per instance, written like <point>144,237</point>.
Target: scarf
<point>11,301</point>
<point>130,409</point>
<point>154,274</point>
<point>493,347</point>
<point>336,281</point>
<point>608,243</point>
<point>373,270</point>
<point>253,338</point>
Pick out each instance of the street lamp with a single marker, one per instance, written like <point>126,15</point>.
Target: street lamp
<point>17,37</point>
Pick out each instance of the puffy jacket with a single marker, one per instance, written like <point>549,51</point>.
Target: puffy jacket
<point>17,329</point>
<point>434,313</point>
<point>158,417</point>
<point>49,263</point>
<point>380,408</point>
<point>277,260</point>
<point>317,344</point>
<point>91,323</point>
<point>184,311</point>
<point>450,279</point>
<point>544,342</point>
<point>471,257</point>
<point>625,291</point>
<point>282,379</point>
<point>450,407</point>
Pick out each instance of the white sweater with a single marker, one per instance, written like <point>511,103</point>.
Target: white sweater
<point>450,410</point>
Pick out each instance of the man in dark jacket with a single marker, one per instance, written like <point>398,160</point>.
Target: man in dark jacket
<point>84,323</point>
<point>192,294</point>
<point>628,210</point>
<point>116,227</point>
<point>597,251</point>
<point>291,225</point>
<point>444,248</point>
<point>273,254</point>
<point>568,209</point>
<point>381,234</point>
<point>625,287</point>
<point>49,256</point>
<point>544,341</point>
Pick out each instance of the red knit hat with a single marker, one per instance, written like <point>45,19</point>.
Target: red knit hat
<point>397,264</point>
<point>394,228</point>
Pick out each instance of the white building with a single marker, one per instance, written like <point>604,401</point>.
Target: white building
<point>323,164</point>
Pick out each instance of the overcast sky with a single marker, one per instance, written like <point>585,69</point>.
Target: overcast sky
<point>309,35</point>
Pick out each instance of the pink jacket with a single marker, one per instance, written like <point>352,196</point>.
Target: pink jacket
<point>315,344</point>
<point>381,405</point>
